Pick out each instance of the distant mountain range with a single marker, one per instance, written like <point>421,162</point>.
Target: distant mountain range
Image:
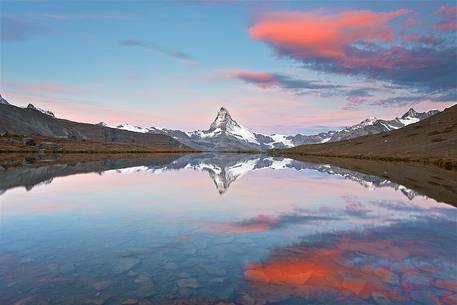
<point>224,133</point>
<point>31,121</point>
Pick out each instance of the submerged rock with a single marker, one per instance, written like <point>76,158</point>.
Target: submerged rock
<point>102,285</point>
<point>216,271</point>
<point>126,264</point>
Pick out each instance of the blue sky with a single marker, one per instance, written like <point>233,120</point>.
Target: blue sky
<point>174,64</point>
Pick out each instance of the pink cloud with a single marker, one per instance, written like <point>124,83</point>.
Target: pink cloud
<point>361,44</point>
<point>261,79</point>
<point>41,87</point>
<point>326,36</point>
<point>410,22</point>
<point>450,22</point>
<point>266,80</point>
<point>446,10</point>
<point>446,26</point>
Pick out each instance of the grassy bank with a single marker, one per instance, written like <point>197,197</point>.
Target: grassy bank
<point>13,144</point>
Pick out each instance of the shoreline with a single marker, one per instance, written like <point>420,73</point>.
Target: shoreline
<point>441,162</point>
<point>433,181</point>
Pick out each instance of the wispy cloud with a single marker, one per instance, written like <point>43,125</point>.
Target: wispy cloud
<point>17,29</point>
<point>275,80</point>
<point>150,46</point>
<point>448,96</point>
<point>39,87</point>
<point>91,16</point>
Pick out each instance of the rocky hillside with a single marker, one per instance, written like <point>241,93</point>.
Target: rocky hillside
<point>433,139</point>
<point>32,121</point>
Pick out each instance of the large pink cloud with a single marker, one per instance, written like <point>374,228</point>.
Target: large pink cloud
<point>314,34</point>
<point>360,43</point>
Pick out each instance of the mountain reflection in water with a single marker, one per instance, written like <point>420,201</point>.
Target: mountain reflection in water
<point>223,169</point>
<point>154,230</point>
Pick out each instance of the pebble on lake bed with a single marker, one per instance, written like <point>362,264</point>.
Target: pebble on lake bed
<point>188,283</point>
<point>130,302</point>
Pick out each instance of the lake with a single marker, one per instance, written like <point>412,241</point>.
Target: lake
<point>220,229</point>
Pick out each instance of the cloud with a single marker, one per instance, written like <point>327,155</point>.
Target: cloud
<point>40,87</point>
<point>362,92</point>
<point>359,96</point>
<point>449,24</point>
<point>429,39</point>
<point>446,26</point>
<point>410,22</point>
<point>357,43</point>
<point>444,96</point>
<point>263,223</point>
<point>357,265</point>
<point>155,48</point>
<point>446,10</point>
<point>15,29</point>
<point>317,35</point>
<point>276,80</point>
<point>91,16</point>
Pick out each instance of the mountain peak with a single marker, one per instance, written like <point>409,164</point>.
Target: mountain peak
<point>47,112</point>
<point>223,120</point>
<point>3,101</point>
<point>410,113</point>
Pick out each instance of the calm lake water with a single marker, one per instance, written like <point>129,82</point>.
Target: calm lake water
<point>220,229</point>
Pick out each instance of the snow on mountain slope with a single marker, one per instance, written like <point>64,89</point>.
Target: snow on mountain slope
<point>132,128</point>
<point>47,112</point>
<point>279,138</point>
<point>224,124</point>
<point>3,101</point>
<point>226,134</point>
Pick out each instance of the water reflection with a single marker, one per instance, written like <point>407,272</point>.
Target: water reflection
<point>154,231</point>
<point>223,169</point>
<point>385,265</point>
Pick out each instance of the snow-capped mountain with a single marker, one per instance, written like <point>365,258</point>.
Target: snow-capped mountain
<point>224,125</point>
<point>373,125</point>
<point>226,134</point>
<point>47,112</point>
<point>368,126</point>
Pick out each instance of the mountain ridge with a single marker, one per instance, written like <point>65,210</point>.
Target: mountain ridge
<point>226,134</point>
<point>31,121</point>
<point>431,140</point>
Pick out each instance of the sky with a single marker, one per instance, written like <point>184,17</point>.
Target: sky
<point>278,67</point>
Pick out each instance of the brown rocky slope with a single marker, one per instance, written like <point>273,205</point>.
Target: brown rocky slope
<point>433,140</point>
